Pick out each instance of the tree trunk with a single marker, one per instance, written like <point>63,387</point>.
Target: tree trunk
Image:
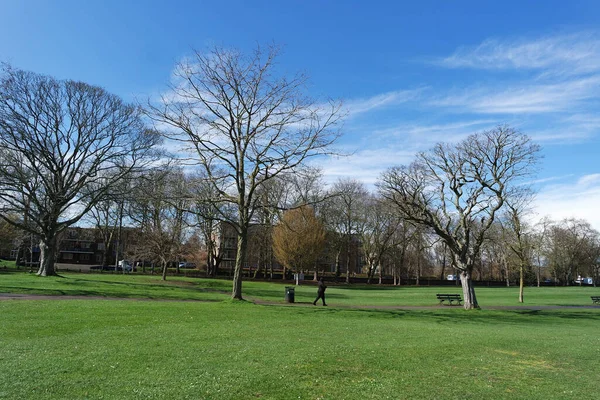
<point>443,263</point>
<point>20,255</point>
<point>104,257</point>
<point>239,264</point>
<point>380,273</point>
<point>164,270</point>
<point>469,298</point>
<point>521,283</point>
<point>337,264</point>
<point>348,262</point>
<point>47,257</point>
<point>370,273</point>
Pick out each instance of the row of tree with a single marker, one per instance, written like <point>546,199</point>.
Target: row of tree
<point>69,150</point>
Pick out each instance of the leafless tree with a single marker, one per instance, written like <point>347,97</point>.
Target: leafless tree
<point>518,235</point>
<point>457,190</point>
<point>572,249</point>
<point>65,143</point>
<point>380,224</point>
<point>343,215</point>
<point>245,125</point>
<point>208,213</point>
<point>159,210</point>
<point>107,217</point>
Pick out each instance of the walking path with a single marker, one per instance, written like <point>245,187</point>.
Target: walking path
<point>21,296</point>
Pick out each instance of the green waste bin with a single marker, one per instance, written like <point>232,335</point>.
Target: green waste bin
<point>289,294</point>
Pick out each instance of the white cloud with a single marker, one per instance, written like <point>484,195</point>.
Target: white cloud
<point>365,165</point>
<point>424,136</point>
<point>579,199</point>
<point>394,98</point>
<point>523,98</point>
<point>575,53</point>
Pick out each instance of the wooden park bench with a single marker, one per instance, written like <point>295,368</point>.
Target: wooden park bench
<point>596,299</point>
<point>450,298</point>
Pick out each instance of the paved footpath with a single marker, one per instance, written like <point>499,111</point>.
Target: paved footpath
<point>21,296</point>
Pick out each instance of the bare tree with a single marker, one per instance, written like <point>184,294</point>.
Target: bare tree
<point>245,126</point>
<point>457,190</point>
<point>344,217</point>
<point>159,209</point>
<point>65,143</point>
<point>571,249</point>
<point>208,213</point>
<point>518,237</point>
<point>378,233</point>
<point>107,217</point>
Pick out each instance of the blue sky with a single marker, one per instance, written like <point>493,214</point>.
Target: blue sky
<point>410,73</point>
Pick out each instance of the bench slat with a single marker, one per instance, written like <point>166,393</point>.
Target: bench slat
<point>450,297</point>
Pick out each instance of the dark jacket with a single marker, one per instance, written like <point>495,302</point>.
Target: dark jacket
<point>322,287</point>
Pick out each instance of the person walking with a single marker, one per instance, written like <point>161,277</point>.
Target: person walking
<point>320,292</point>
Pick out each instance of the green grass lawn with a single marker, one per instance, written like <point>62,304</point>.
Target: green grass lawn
<point>179,288</point>
<point>220,349</point>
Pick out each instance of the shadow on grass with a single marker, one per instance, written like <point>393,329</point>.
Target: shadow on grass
<point>455,317</point>
<point>12,271</point>
<point>366,287</point>
<point>185,286</point>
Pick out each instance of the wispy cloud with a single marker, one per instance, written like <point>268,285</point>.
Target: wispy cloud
<point>388,99</point>
<point>564,74</point>
<point>575,53</point>
<point>421,136</point>
<point>523,97</point>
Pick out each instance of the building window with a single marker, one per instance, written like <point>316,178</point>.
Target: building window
<point>84,257</point>
<point>100,246</point>
<point>98,257</point>
<point>67,256</point>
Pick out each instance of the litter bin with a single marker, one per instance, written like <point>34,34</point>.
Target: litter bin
<point>289,294</point>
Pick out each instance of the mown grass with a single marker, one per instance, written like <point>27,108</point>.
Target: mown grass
<point>221,349</point>
<point>180,288</point>
<point>176,350</point>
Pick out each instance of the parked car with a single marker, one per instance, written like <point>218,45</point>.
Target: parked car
<point>126,266</point>
<point>187,265</point>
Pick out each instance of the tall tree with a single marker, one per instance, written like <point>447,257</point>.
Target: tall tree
<point>345,213</point>
<point>456,190</point>
<point>298,239</point>
<point>245,125</point>
<point>377,236</point>
<point>208,213</point>
<point>572,249</point>
<point>159,209</point>
<point>518,237</point>
<point>65,143</point>
<point>107,217</point>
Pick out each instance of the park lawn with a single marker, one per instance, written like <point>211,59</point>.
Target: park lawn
<point>76,349</point>
<point>114,285</point>
<point>180,288</point>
